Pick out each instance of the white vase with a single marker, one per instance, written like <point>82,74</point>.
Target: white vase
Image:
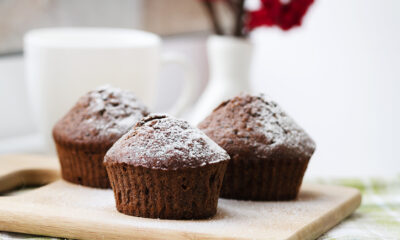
<point>229,65</point>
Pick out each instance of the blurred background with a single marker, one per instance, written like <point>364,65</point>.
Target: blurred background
<point>338,75</point>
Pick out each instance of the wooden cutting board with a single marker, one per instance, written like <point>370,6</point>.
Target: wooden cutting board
<point>66,210</point>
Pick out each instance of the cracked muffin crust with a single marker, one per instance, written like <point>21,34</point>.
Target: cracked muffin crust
<point>269,151</point>
<point>165,168</point>
<point>90,128</point>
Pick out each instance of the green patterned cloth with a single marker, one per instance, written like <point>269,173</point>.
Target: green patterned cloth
<point>377,218</point>
<point>379,214</point>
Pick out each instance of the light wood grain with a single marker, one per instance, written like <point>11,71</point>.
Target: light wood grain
<point>27,170</point>
<point>62,209</point>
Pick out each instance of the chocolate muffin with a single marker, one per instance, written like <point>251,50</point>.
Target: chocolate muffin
<point>165,168</point>
<point>269,151</point>
<point>90,128</point>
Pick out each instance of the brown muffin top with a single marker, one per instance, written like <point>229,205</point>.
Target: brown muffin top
<point>164,142</point>
<point>256,126</point>
<point>101,117</point>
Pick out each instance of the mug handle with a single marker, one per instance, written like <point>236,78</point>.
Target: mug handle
<point>190,85</point>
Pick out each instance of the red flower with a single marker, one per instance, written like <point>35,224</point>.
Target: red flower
<point>283,15</point>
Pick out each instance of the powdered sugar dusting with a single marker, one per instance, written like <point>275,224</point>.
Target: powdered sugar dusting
<point>164,142</point>
<point>105,113</point>
<point>113,109</point>
<point>270,120</point>
<point>258,126</point>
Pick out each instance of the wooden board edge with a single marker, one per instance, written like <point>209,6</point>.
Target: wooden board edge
<point>28,177</point>
<point>88,232</point>
<point>32,176</point>
<point>331,218</point>
<point>20,170</point>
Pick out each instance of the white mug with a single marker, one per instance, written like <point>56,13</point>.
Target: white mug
<point>64,63</point>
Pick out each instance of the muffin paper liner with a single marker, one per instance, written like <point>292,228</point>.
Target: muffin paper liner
<point>263,180</point>
<point>189,193</point>
<point>82,166</point>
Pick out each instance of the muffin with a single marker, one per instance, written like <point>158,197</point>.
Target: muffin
<point>83,136</point>
<point>165,168</point>
<point>269,151</point>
